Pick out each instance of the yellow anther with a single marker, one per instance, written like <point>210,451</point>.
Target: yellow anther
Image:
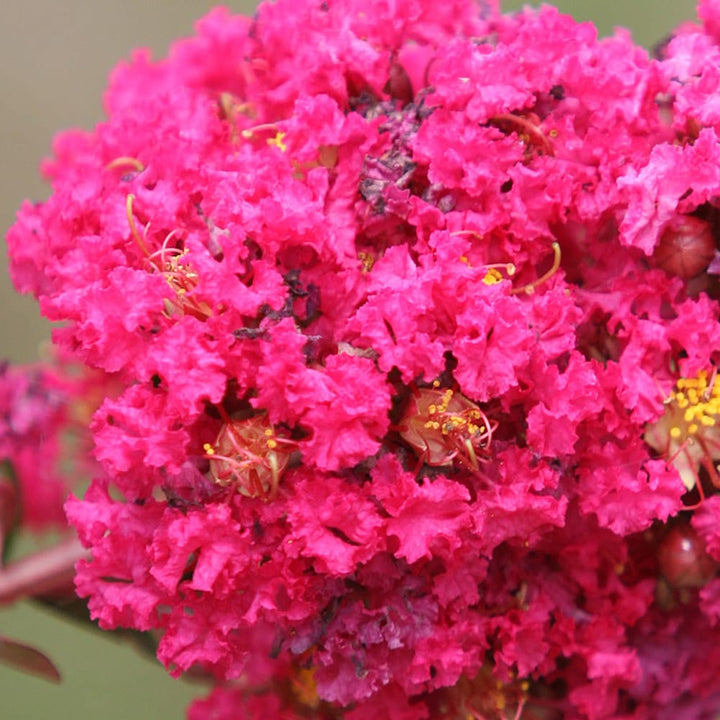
<point>686,433</point>
<point>367,261</point>
<point>278,141</point>
<point>209,449</point>
<point>492,277</point>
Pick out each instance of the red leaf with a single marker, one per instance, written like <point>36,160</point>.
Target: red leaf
<point>27,660</point>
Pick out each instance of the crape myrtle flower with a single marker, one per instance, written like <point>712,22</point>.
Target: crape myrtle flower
<point>44,453</point>
<point>413,314</point>
<point>44,441</point>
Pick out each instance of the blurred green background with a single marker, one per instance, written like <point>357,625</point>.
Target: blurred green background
<point>54,61</point>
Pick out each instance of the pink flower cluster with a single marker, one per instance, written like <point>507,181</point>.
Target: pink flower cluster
<point>414,307</point>
<point>44,443</point>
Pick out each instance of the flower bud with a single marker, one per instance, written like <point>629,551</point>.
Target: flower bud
<point>686,247</point>
<point>683,560</point>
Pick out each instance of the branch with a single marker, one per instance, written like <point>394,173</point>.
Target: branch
<point>42,573</point>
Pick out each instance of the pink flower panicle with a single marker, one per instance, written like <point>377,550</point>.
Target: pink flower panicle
<point>44,442</point>
<point>404,303</point>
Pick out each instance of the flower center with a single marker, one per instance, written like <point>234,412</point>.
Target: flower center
<point>699,401</point>
<point>688,431</point>
<point>249,456</point>
<point>179,274</point>
<point>442,425</point>
<point>482,697</point>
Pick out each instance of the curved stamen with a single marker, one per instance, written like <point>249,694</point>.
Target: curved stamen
<point>265,127</point>
<point>133,227</point>
<point>528,131</point>
<point>529,289</point>
<point>125,162</point>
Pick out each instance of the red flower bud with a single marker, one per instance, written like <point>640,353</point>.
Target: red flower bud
<point>683,560</point>
<point>686,247</point>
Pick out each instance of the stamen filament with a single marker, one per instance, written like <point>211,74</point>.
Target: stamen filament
<point>133,227</point>
<point>125,161</point>
<point>249,132</point>
<point>529,289</point>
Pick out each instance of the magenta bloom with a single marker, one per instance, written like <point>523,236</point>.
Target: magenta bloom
<point>414,312</point>
<point>44,440</point>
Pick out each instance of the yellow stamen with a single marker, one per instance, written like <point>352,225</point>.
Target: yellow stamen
<point>688,432</point>
<point>367,261</point>
<point>492,277</point>
<point>278,141</point>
